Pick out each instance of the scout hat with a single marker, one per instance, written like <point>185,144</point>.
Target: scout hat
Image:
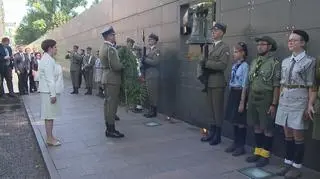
<point>220,26</point>
<point>130,40</point>
<point>108,30</point>
<point>302,34</point>
<point>270,41</point>
<point>154,36</point>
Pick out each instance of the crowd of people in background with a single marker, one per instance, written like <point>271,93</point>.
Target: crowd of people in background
<point>21,61</point>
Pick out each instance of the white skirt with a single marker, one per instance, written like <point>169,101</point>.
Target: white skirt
<point>48,110</point>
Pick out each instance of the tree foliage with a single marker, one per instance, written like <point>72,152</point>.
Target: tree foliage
<point>44,15</point>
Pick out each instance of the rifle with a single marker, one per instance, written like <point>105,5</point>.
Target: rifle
<point>205,72</point>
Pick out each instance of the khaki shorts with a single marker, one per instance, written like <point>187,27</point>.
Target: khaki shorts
<point>258,106</point>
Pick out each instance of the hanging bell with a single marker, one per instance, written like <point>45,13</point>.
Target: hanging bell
<point>200,27</point>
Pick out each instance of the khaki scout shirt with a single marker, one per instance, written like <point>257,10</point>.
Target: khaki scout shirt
<point>218,59</point>
<point>153,59</point>
<point>267,77</point>
<point>110,62</point>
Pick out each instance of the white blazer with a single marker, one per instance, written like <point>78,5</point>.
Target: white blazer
<point>50,76</point>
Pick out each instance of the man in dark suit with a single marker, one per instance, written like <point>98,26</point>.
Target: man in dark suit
<point>6,66</point>
<point>31,59</point>
<point>22,68</point>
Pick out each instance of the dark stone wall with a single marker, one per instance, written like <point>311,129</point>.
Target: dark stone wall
<point>180,94</point>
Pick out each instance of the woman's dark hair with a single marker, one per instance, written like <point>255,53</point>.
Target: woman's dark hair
<point>37,53</point>
<point>46,44</point>
<point>243,47</point>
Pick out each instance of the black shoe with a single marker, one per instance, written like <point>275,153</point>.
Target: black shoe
<point>231,148</point>
<point>11,95</point>
<point>137,110</point>
<point>239,151</point>
<point>253,158</point>
<point>89,92</point>
<point>117,118</point>
<point>74,91</point>
<point>112,132</point>
<point>262,162</point>
<point>212,132</point>
<point>152,112</point>
<point>217,137</point>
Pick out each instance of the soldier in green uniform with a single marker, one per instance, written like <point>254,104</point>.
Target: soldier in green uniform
<point>75,67</point>
<point>111,79</point>
<point>216,64</point>
<point>88,64</point>
<point>151,67</point>
<point>264,82</point>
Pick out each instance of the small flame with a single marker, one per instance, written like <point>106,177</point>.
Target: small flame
<point>204,130</point>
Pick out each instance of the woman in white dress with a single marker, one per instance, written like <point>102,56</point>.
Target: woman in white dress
<point>50,86</point>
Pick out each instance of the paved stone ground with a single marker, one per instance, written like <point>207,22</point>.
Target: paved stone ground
<point>171,150</point>
<point>20,155</point>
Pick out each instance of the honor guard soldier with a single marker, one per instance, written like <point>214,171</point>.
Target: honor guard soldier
<point>75,68</point>
<point>264,83</point>
<point>151,69</point>
<point>216,64</point>
<point>88,64</point>
<point>111,79</point>
<point>297,88</point>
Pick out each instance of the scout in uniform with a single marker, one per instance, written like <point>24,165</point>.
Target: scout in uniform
<point>135,51</point>
<point>98,75</point>
<point>111,79</point>
<point>217,62</point>
<point>75,67</point>
<point>236,108</point>
<point>297,86</point>
<point>82,53</point>
<point>151,66</point>
<point>88,63</point>
<point>264,83</point>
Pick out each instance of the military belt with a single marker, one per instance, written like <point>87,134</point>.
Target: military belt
<point>236,88</point>
<point>295,86</point>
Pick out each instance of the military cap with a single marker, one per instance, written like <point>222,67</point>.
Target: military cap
<point>302,34</point>
<point>154,36</point>
<point>270,41</point>
<point>89,48</point>
<point>220,26</point>
<point>108,30</point>
<point>130,40</point>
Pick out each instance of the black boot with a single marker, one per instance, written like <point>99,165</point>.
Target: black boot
<point>89,92</point>
<point>242,133</point>
<point>217,137</point>
<point>117,118</point>
<point>152,112</point>
<point>100,93</point>
<point>233,146</point>
<point>212,132</point>
<point>112,132</point>
<point>74,91</point>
